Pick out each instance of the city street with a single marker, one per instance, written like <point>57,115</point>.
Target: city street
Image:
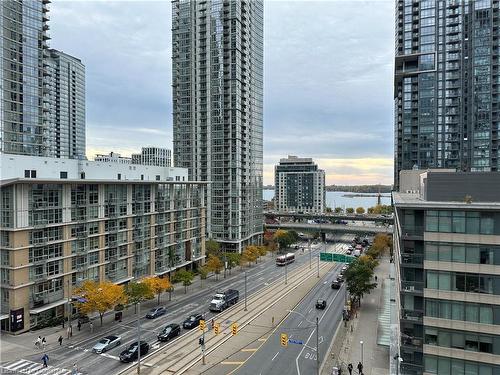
<point>80,351</point>
<point>300,357</point>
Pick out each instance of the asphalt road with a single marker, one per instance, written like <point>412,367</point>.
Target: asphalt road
<point>80,352</point>
<point>300,325</point>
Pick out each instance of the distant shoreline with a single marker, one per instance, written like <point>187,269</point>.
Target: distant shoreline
<point>364,195</point>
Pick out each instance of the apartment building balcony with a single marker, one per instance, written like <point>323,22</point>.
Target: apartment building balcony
<point>411,342</point>
<point>412,260</point>
<point>412,315</point>
<point>412,287</point>
<point>412,232</point>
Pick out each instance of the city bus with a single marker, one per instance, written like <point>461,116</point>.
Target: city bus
<point>285,259</point>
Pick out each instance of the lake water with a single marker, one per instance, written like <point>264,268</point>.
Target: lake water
<point>339,199</point>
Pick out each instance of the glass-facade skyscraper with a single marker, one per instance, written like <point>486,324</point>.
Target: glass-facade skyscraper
<point>217,59</point>
<point>42,91</point>
<point>447,85</point>
<point>23,45</point>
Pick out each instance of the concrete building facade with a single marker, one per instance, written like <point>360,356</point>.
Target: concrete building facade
<point>447,261</point>
<point>299,185</point>
<point>446,85</point>
<point>65,221</point>
<point>160,157</point>
<point>217,68</point>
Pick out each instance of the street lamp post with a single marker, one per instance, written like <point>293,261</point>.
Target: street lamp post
<point>245,290</point>
<point>361,343</point>
<point>286,272</point>
<point>398,359</point>
<point>139,338</point>
<point>310,256</point>
<point>317,335</point>
<point>70,309</point>
<point>318,267</point>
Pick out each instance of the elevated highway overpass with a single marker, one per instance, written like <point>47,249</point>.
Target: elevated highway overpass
<point>331,217</point>
<point>332,228</point>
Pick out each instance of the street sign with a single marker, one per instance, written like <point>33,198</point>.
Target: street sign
<point>326,257</point>
<point>331,257</point>
<point>298,342</point>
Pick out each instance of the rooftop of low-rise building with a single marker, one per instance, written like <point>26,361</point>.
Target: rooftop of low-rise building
<point>446,187</point>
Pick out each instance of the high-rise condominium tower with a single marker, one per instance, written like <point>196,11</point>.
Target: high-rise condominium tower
<point>23,37</point>
<point>66,92</point>
<point>447,85</point>
<point>42,100</point>
<point>217,93</point>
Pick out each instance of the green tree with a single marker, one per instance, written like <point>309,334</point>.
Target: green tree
<point>360,210</point>
<point>328,210</point>
<point>283,238</point>
<point>349,210</point>
<point>233,259</point>
<point>203,272</point>
<point>248,255</point>
<point>339,210</point>
<point>137,292</point>
<point>100,297</point>
<point>212,247</point>
<point>184,277</point>
<point>359,278</point>
<point>215,265</point>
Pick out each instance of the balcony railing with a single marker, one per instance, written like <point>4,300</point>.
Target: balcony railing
<point>412,259</point>
<point>412,286</point>
<point>412,230</point>
<point>413,315</point>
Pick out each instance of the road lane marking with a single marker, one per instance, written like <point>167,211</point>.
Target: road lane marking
<point>232,362</point>
<point>275,356</point>
<point>250,350</point>
<point>298,325</point>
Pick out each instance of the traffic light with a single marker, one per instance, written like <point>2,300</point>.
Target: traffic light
<point>234,329</point>
<point>201,341</point>
<point>284,340</point>
<point>217,328</point>
<point>202,325</point>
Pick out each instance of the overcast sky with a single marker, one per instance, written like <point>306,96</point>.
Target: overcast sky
<point>327,90</point>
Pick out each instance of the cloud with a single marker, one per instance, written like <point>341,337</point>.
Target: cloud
<point>327,79</point>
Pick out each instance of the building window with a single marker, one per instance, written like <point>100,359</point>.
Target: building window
<point>63,174</point>
<point>33,173</point>
<point>27,173</point>
<point>157,177</point>
<point>119,176</point>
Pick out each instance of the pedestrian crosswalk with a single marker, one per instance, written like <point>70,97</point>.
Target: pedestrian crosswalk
<point>24,366</point>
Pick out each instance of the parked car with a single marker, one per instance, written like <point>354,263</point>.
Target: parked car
<point>336,284</point>
<point>321,304</point>
<point>340,278</point>
<point>132,353</point>
<point>106,343</point>
<point>169,332</point>
<point>192,321</point>
<point>156,312</point>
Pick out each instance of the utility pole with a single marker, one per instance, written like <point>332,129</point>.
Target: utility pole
<point>286,272</point>
<point>310,256</point>
<point>318,267</point>
<point>139,338</point>
<point>317,345</point>
<point>203,347</point>
<point>70,308</point>
<point>245,290</point>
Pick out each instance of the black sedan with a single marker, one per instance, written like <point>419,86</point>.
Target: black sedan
<point>321,304</point>
<point>192,321</point>
<point>156,312</point>
<point>336,284</point>
<point>131,353</point>
<point>169,332</point>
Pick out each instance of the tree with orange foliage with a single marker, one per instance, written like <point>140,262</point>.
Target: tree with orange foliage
<point>157,285</point>
<point>100,297</point>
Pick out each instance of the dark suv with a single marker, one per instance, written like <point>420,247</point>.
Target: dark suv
<point>131,353</point>
<point>192,321</point>
<point>169,332</point>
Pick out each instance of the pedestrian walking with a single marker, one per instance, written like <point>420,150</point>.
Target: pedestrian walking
<point>376,278</point>
<point>74,370</point>
<point>91,325</point>
<point>44,343</point>
<point>60,339</point>
<point>349,368</point>
<point>45,360</point>
<point>360,367</point>
<point>79,325</point>
<point>38,342</point>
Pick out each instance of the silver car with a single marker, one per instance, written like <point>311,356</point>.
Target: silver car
<point>106,343</point>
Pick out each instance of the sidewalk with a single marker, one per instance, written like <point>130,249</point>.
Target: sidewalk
<point>375,357</point>
<point>16,347</point>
